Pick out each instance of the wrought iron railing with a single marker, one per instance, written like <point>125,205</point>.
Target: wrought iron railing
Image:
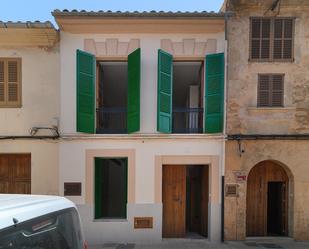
<point>187,120</point>
<point>112,120</point>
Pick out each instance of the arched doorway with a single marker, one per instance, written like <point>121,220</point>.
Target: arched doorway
<point>267,200</point>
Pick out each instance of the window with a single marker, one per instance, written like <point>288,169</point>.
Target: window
<point>271,39</point>
<point>112,97</point>
<point>108,94</point>
<point>10,82</point>
<point>55,230</point>
<point>270,90</point>
<point>111,188</point>
<point>190,94</point>
<point>187,96</point>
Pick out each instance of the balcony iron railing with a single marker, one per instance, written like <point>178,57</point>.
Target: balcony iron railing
<point>187,120</point>
<point>112,120</point>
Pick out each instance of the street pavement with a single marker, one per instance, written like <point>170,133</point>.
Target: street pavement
<point>252,243</point>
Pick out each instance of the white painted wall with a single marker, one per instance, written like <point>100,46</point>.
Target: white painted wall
<point>40,91</point>
<point>149,43</point>
<point>40,107</point>
<point>72,158</point>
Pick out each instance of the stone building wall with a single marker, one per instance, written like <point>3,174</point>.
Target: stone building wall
<point>293,157</point>
<point>243,116</point>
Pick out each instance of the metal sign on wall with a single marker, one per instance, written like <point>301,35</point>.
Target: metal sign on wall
<point>240,176</point>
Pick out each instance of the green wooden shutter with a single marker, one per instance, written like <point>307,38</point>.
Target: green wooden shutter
<point>85,96</point>
<point>214,93</point>
<point>165,92</point>
<point>98,188</point>
<point>134,78</point>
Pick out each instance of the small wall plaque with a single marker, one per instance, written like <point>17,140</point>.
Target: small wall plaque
<point>143,222</point>
<point>72,189</point>
<point>231,190</point>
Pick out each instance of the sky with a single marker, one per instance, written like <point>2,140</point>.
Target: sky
<point>32,10</point>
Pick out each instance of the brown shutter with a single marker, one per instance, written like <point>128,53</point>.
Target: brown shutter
<point>278,39</point>
<point>12,81</point>
<point>264,90</point>
<point>277,91</point>
<point>260,38</point>
<point>255,38</point>
<point>288,39</point>
<point>283,39</point>
<point>265,43</point>
<point>2,97</point>
<point>271,39</point>
<point>270,90</point>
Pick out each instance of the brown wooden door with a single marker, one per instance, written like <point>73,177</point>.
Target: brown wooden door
<point>174,201</point>
<point>15,173</point>
<point>204,201</point>
<point>257,197</point>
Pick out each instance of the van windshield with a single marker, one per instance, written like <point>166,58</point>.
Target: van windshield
<point>53,231</point>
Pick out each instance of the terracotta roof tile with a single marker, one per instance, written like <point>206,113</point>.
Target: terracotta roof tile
<point>143,14</point>
<point>28,24</point>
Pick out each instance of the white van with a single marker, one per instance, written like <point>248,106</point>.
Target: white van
<point>37,222</point>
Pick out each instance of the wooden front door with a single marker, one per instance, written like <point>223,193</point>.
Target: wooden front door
<point>15,173</point>
<point>266,178</point>
<point>174,201</point>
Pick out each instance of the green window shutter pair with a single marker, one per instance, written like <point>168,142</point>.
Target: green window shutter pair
<point>86,78</point>
<point>214,93</point>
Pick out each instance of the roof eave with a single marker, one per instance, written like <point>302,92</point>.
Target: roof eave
<point>124,24</point>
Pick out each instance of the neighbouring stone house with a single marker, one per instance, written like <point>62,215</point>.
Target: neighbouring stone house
<point>266,160</point>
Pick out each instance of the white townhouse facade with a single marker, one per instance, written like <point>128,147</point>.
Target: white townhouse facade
<point>142,122</point>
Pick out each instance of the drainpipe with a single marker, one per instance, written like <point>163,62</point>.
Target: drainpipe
<point>227,14</point>
<point>222,209</point>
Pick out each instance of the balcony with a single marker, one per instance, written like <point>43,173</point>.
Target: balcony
<point>187,120</point>
<point>112,120</point>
